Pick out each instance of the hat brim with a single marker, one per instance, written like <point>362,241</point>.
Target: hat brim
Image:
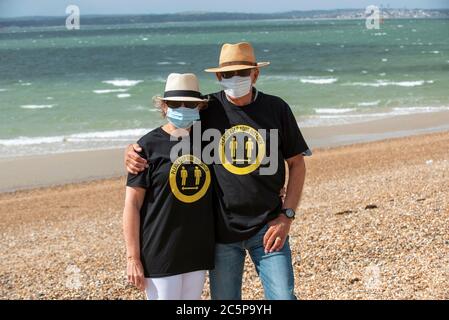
<point>237,67</point>
<point>182,99</point>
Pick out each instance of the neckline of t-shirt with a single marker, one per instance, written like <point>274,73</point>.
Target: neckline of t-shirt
<point>249,105</point>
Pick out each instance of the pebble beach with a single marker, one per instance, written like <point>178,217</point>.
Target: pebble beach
<point>372,224</point>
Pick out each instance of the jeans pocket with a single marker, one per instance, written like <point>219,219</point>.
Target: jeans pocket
<point>257,239</point>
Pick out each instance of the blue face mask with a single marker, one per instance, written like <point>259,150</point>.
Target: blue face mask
<point>182,117</point>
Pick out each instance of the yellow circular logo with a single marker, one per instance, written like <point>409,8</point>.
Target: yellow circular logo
<point>242,149</point>
<point>189,178</point>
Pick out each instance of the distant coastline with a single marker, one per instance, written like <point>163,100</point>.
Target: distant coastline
<point>337,14</point>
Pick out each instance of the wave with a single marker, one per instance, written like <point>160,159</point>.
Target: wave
<point>109,136</point>
<point>36,106</point>
<point>315,80</point>
<point>159,79</point>
<point>280,77</point>
<point>324,119</point>
<point>384,83</point>
<point>109,91</point>
<point>394,112</point>
<point>334,110</point>
<point>123,95</point>
<point>123,82</point>
<point>406,110</point>
<point>25,141</point>
<point>162,63</point>
<point>308,80</point>
<point>368,103</point>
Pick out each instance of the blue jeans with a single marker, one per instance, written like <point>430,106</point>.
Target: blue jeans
<point>274,269</point>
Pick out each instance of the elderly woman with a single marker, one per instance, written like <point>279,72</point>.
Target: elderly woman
<point>168,218</point>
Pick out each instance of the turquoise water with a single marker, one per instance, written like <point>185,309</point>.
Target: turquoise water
<point>67,90</point>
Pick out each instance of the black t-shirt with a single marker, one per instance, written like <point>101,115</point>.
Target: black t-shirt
<point>176,218</point>
<point>244,199</point>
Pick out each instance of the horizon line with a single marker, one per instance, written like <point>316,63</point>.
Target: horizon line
<point>209,12</point>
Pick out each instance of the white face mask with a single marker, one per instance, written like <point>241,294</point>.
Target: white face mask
<point>236,87</point>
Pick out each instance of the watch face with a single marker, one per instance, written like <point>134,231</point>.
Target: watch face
<point>290,213</point>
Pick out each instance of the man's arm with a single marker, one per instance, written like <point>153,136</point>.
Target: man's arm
<point>279,227</point>
<point>296,178</point>
<point>134,163</point>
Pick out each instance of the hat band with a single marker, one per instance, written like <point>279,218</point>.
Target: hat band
<point>182,93</point>
<point>234,63</point>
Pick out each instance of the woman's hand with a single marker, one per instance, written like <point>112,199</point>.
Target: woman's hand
<point>135,273</point>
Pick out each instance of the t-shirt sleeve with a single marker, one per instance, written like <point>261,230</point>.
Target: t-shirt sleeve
<point>142,179</point>
<point>292,140</point>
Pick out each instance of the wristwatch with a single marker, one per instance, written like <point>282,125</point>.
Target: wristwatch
<point>290,213</point>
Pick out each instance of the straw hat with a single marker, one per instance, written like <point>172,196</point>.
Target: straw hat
<point>237,56</point>
<point>182,87</point>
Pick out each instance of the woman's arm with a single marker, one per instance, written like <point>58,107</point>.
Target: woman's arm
<point>131,231</point>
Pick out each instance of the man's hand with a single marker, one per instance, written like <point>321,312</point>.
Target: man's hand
<point>277,233</point>
<point>134,163</point>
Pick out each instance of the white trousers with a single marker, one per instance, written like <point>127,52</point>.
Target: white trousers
<point>185,286</point>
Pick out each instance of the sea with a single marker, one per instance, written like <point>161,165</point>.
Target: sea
<point>64,90</point>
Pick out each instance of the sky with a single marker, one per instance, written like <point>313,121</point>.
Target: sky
<point>16,8</point>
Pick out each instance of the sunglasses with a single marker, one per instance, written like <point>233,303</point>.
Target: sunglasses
<point>187,104</point>
<point>240,73</point>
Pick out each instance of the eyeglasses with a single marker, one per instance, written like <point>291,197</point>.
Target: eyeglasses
<point>187,104</point>
<point>240,73</point>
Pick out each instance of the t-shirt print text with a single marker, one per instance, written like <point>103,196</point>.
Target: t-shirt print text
<point>189,178</point>
<point>242,149</point>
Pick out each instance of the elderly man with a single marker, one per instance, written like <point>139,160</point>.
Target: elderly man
<point>250,214</point>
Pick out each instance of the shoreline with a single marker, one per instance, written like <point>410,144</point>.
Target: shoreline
<point>36,171</point>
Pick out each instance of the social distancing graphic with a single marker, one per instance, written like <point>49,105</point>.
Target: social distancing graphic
<point>242,149</point>
<point>189,178</point>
